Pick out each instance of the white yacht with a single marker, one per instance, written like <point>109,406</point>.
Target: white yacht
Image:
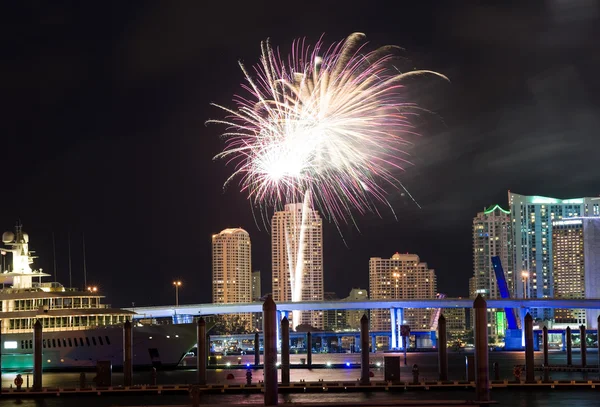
<point>78,330</point>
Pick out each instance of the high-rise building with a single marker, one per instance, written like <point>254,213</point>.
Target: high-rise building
<point>256,296</point>
<point>333,320</point>
<point>232,269</point>
<point>403,276</point>
<point>296,234</point>
<point>492,236</point>
<point>456,323</point>
<point>344,320</point>
<point>576,267</point>
<point>472,289</point>
<point>532,218</point>
<point>353,316</point>
<point>256,292</point>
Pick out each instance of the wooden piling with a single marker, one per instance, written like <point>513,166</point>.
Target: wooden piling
<point>270,351</point>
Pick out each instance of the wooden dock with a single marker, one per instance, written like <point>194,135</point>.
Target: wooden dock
<point>298,387</point>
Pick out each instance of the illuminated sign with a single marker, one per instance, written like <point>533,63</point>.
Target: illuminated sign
<point>10,344</point>
<point>500,325</point>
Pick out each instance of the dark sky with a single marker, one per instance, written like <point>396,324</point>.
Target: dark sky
<point>104,104</point>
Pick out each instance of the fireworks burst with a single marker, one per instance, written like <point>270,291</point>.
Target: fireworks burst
<point>328,124</point>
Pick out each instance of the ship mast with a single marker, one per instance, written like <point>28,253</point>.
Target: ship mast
<point>84,265</point>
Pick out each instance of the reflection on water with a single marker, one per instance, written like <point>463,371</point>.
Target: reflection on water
<point>521,398</point>
<point>427,365</point>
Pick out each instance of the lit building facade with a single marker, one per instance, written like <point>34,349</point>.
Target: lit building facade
<point>333,320</point>
<point>256,291</point>
<point>403,276</point>
<point>492,236</point>
<point>256,296</point>
<point>531,218</point>
<point>232,269</point>
<point>456,323</point>
<point>286,228</point>
<point>353,317</point>
<point>576,267</point>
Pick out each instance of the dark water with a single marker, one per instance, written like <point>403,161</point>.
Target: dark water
<point>427,362</point>
<point>522,398</point>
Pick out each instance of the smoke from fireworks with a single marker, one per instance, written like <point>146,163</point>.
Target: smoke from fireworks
<point>324,127</point>
<point>324,123</point>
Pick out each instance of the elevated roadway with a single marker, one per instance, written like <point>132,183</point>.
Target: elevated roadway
<point>163,311</point>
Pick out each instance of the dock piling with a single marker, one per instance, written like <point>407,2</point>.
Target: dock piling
<point>309,350</point>
<point>569,347</point>
<point>529,373</point>
<point>583,346</point>
<point>482,380</point>
<point>201,347</point>
<point>285,351</point>
<point>364,350</point>
<point>127,354</point>
<point>270,351</point>
<point>545,342</point>
<point>37,355</point>
<point>442,349</point>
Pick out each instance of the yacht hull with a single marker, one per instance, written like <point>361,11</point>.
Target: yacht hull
<point>153,345</point>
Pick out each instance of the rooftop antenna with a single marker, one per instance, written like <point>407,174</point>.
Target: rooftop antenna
<point>54,254</point>
<point>69,241</point>
<point>84,267</point>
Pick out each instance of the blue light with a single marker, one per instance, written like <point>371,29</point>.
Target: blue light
<point>247,364</point>
<point>347,364</point>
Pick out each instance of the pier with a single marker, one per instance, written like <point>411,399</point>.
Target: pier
<point>369,377</point>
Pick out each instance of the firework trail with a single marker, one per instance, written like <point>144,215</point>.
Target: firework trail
<point>322,125</point>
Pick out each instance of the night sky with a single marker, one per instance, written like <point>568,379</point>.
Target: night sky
<point>103,130</point>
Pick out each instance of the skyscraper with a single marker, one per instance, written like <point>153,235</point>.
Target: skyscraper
<point>256,296</point>
<point>333,320</point>
<point>403,276</point>
<point>576,267</point>
<point>492,236</point>
<point>296,234</point>
<point>531,218</point>
<point>232,269</point>
<point>455,322</point>
<point>353,316</point>
<point>256,292</point>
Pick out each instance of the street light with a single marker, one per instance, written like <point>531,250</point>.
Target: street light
<point>177,284</point>
<point>525,275</point>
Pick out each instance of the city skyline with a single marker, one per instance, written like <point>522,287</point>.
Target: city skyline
<point>592,202</point>
<point>531,218</point>
<point>105,135</point>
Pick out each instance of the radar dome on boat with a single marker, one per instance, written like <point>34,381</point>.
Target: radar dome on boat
<point>26,237</point>
<point>8,237</point>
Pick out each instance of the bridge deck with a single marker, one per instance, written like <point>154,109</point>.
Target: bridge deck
<point>211,309</point>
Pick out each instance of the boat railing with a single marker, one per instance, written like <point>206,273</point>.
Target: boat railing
<point>59,329</point>
<point>54,306</point>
